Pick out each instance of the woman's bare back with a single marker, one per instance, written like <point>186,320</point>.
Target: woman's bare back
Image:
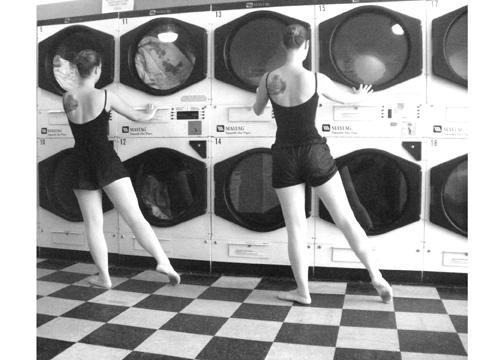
<point>83,105</point>
<point>290,86</point>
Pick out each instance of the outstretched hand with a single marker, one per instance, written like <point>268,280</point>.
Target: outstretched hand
<point>150,109</point>
<point>363,90</point>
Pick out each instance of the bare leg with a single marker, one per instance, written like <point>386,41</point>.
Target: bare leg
<point>123,196</point>
<point>90,203</point>
<point>292,201</point>
<point>334,197</point>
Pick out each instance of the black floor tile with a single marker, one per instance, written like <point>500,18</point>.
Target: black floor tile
<point>360,288</point>
<point>319,335</point>
<point>195,324</point>
<point>43,318</point>
<point>196,279</point>
<point>119,336</point>
<point>64,277</point>
<point>460,323</point>
<point>140,286</point>
<point>262,312</point>
<point>55,264</point>
<point>430,342</point>
<point>276,284</point>
<point>360,354</point>
<point>164,303</point>
<point>225,294</point>
<point>49,348</point>
<point>452,293</point>
<point>432,306</point>
<point>124,271</point>
<point>74,292</point>
<point>136,355</point>
<point>370,319</point>
<point>331,301</point>
<point>220,348</point>
<point>95,311</point>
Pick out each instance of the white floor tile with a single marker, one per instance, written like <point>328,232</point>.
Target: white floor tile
<point>115,281</point>
<point>367,338</point>
<point>182,290</point>
<point>67,329</point>
<point>248,329</point>
<point>45,288</point>
<point>44,272</point>
<point>266,297</point>
<point>424,322</point>
<point>327,287</point>
<point>120,298</point>
<point>56,306</point>
<point>366,302</point>
<point>237,282</point>
<point>416,292</point>
<point>151,275</point>
<point>82,268</point>
<point>152,319</point>
<point>174,343</point>
<point>314,315</point>
<point>283,351</point>
<point>211,308</point>
<point>80,351</point>
<point>40,260</point>
<point>464,339</point>
<point>421,356</point>
<point>456,307</point>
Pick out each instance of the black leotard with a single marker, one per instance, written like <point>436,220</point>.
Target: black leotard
<point>296,124</point>
<point>97,164</point>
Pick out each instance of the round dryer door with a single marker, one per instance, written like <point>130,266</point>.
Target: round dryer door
<point>371,45</point>
<point>244,193</point>
<point>384,190</point>
<point>55,176</point>
<point>250,46</point>
<point>449,46</point>
<point>448,201</point>
<point>163,56</point>
<point>171,187</point>
<point>56,71</point>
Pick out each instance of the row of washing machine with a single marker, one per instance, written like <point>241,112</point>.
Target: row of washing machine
<point>202,167</point>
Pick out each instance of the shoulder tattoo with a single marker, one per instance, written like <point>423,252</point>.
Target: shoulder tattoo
<point>70,103</point>
<point>277,85</point>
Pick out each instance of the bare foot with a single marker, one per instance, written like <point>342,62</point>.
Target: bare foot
<point>383,288</point>
<point>168,270</point>
<point>99,282</point>
<point>295,296</point>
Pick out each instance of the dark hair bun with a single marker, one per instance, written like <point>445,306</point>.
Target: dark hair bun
<point>294,36</point>
<point>86,61</point>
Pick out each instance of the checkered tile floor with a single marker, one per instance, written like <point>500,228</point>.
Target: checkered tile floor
<point>210,317</point>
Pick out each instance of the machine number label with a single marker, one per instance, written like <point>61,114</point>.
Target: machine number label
<point>42,141</point>
<point>322,7</point>
<point>123,141</point>
<point>218,14</point>
<point>218,141</point>
<point>434,142</point>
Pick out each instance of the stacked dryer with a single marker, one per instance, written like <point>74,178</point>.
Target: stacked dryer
<point>60,223</point>
<point>377,146</point>
<point>446,128</point>
<point>164,61</point>
<point>247,221</point>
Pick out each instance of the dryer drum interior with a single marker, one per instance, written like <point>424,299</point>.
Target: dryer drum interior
<point>55,187</point>
<point>371,45</point>
<point>449,46</point>
<point>383,190</point>
<point>57,72</point>
<point>448,205</point>
<point>250,46</point>
<point>163,56</point>
<point>170,186</point>
<point>244,193</point>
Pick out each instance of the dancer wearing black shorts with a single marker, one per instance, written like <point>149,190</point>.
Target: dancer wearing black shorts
<point>301,156</point>
<point>97,167</point>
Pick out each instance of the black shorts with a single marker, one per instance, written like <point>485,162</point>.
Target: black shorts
<point>297,164</point>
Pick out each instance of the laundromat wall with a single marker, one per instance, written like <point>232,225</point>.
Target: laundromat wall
<point>201,168</point>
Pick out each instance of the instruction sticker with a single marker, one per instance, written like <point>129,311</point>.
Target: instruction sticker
<point>117,5</point>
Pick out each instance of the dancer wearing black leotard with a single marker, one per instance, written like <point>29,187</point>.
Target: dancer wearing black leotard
<point>301,156</point>
<point>98,167</point>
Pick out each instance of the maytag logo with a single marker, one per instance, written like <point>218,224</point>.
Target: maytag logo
<point>437,129</point>
<point>249,5</point>
<point>125,129</point>
<point>43,131</point>
<point>326,127</point>
<point>220,128</point>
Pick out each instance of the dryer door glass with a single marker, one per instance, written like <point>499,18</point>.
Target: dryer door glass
<point>166,190</point>
<point>165,56</point>
<point>65,72</point>
<point>370,48</point>
<point>381,188</point>
<point>255,48</point>
<point>456,46</point>
<point>455,196</point>
<point>250,191</point>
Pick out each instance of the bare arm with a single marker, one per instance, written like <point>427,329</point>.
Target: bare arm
<point>332,92</point>
<point>118,105</point>
<point>261,97</point>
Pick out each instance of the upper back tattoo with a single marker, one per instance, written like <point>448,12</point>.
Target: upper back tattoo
<point>70,103</point>
<point>276,85</point>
